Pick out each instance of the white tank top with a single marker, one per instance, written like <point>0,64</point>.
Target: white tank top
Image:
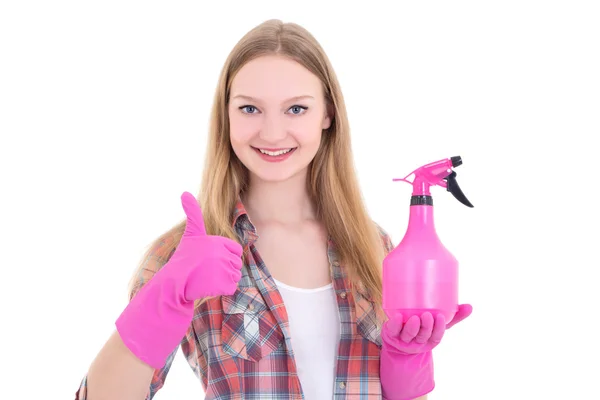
<point>315,331</point>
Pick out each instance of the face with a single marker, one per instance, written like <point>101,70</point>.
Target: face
<point>277,112</point>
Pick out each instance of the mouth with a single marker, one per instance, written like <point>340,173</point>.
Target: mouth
<point>275,152</point>
<point>274,155</point>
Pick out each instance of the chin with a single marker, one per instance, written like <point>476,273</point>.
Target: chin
<point>274,174</point>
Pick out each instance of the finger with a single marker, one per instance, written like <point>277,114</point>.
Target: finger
<point>464,310</point>
<point>426,328</point>
<point>230,290</point>
<point>195,221</point>
<point>410,329</point>
<point>234,247</point>
<point>235,262</point>
<point>236,275</point>
<point>439,327</point>
<point>394,324</point>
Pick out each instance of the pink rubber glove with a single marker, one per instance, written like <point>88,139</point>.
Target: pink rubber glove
<point>158,316</point>
<point>406,362</point>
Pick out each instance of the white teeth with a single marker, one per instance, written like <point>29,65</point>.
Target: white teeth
<point>275,153</point>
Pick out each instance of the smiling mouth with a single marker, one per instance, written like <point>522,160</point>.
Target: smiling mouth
<point>274,152</point>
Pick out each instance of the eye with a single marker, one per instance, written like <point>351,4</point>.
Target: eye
<point>246,108</point>
<point>298,110</point>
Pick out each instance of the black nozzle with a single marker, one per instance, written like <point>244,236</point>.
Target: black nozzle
<point>456,161</point>
<point>452,187</point>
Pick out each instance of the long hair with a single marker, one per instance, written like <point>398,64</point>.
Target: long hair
<point>332,182</point>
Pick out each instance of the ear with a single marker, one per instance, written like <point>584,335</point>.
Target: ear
<point>328,117</point>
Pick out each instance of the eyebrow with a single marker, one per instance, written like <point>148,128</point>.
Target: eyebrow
<point>250,98</point>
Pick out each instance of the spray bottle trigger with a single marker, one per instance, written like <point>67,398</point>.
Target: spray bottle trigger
<point>452,187</point>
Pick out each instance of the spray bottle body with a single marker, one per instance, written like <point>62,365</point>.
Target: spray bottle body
<point>420,274</point>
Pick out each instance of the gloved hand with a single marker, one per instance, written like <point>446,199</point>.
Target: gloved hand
<point>158,316</point>
<point>406,363</point>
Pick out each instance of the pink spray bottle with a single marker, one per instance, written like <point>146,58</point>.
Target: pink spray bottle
<point>420,274</point>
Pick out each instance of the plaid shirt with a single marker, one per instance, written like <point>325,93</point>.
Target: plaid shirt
<point>240,345</point>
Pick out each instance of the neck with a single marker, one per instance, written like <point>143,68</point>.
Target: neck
<point>284,202</point>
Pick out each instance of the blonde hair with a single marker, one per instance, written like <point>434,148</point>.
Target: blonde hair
<point>332,182</point>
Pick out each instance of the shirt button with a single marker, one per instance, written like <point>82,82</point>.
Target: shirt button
<point>343,295</point>
<point>251,307</point>
<point>342,385</point>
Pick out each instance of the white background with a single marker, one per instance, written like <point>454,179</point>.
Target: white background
<point>103,119</point>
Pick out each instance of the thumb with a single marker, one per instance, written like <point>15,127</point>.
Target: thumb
<point>464,310</point>
<point>195,221</point>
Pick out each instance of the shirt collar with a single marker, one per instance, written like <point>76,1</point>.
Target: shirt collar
<point>242,225</point>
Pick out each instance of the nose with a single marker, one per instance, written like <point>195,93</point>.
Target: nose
<point>273,129</point>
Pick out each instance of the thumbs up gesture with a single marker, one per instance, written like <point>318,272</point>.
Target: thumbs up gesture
<point>157,318</point>
<point>210,263</point>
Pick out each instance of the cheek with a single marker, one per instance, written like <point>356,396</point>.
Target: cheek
<point>241,128</point>
<point>308,130</point>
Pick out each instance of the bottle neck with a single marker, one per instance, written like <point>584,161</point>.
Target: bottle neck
<point>421,215</point>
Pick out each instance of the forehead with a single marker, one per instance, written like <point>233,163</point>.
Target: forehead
<point>275,78</point>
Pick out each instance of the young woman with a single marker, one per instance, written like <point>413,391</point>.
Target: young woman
<point>272,284</point>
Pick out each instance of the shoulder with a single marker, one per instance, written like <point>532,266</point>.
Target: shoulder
<point>385,237</point>
<point>159,252</point>
<point>155,257</point>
